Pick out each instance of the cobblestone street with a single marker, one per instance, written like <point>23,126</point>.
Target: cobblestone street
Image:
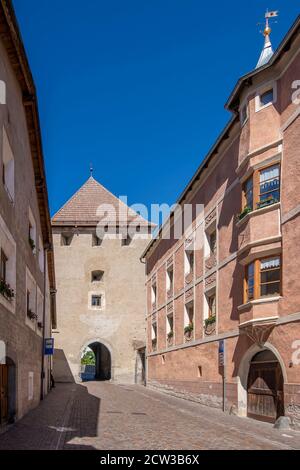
<point>107,416</point>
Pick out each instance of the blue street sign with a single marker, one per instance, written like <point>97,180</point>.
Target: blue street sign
<point>49,346</point>
<point>221,353</point>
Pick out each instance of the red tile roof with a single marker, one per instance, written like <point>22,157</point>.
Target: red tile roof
<point>91,203</point>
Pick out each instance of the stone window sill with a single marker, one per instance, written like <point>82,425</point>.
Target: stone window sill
<point>263,300</point>
<point>258,212</point>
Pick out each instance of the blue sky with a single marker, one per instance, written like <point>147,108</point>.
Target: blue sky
<point>137,87</point>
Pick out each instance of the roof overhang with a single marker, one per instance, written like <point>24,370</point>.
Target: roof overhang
<point>11,38</point>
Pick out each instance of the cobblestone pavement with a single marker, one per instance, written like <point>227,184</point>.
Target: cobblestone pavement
<point>102,415</point>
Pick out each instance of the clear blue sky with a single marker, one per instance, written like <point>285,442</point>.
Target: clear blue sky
<point>138,86</point>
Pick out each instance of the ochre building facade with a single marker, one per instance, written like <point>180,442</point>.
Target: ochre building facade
<point>100,287</point>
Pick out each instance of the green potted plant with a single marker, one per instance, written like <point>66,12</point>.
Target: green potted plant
<point>170,336</point>
<point>31,315</point>
<point>6,290</point>
<point>244,212</point>
<point>210,324</point>
<point>188,330</point>
<point>31,243</point>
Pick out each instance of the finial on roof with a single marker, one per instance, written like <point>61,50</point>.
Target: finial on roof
<point>91,169</point>
<point>267,51</point>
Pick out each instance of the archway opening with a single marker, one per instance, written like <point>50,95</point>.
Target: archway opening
<point>8,392</point>
<point>265,399</point>
<point>96,362</point>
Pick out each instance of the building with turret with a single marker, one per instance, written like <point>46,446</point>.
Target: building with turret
<point>223,299</point>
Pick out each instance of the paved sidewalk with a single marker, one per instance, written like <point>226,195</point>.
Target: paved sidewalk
<point>101,415</point>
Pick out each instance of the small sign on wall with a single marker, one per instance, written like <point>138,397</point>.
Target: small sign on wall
<point>49,346</point>
<point>221,353</point>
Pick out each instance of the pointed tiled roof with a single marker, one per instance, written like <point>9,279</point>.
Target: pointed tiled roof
<point>83,208</point>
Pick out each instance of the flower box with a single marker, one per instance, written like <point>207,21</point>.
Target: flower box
<point>210,325</point>
<point>6,291</point>
<point>32,244</point>
<point>170,337</point>
<point>188,331</point>
<point>244,212</point>
<point>267,202</point>
<point>31,315</point>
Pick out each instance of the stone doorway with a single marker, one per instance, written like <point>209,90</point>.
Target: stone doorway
<point>265,388</point>
<point>99,367</point>
<point>7,392</point>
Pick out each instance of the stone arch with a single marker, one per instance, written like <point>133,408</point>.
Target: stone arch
<point>243,372</point>
<point>105,343</point>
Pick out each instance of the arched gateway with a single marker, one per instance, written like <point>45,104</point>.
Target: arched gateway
<point>265,387</point>
<point>100,369</point>
<point>261,380</point>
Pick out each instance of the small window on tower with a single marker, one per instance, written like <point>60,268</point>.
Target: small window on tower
<point>97,276</point>
<point>126,241</point>
<point>96,241</point>
<point>244,114</point>
<point>267,97</point>
<point>96,301</point>
<point>66,239</point>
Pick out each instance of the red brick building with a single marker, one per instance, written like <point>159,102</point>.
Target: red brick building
<point>236,297</point>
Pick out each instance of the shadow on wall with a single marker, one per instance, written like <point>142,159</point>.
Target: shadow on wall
<point>61,368</point>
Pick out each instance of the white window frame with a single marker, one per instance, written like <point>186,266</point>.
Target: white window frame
<point>187,264</point>
<point>187,307</point>
<point>263,89</point>
<point>31,287</point>
<point>168,326</point>
<point>154,330</point>
<point>169,282</point>
<point>245,104</point>
<point>41,255</point>
<point>209,293</point>
<point>95,307</point>
<point>8,167</point>
<point>153,293</point>
<point>33,232</point>
<point>8,244</point>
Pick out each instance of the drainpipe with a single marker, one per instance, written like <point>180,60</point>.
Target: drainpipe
<point>143,261</point>
<point>47,247</point>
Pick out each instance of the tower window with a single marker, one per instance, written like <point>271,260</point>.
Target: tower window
<point>126,241</point>
<point>66,239</point>
<point>97,276</point>
<point>267,97</point>
<point>96,300</point>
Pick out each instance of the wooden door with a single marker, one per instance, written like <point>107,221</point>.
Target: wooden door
<point>3,393</point>
<point>265,391</point>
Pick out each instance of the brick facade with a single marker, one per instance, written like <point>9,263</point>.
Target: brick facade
<point>270,137</point>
